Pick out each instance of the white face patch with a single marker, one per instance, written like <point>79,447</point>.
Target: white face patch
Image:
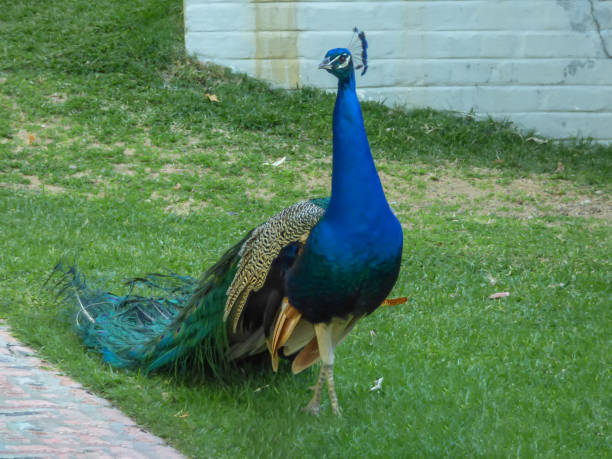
<point>343,61</point>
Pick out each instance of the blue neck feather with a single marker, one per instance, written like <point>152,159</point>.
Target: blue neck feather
<point>352,257</point>
<point>357,194</point>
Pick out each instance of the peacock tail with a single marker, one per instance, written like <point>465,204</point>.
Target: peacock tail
<point>173,321</point>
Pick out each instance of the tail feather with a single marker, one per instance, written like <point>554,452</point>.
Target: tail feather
<point>197,335</point>
<point>163,320</point>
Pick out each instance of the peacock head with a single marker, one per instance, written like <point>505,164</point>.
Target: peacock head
<point>339,61</point>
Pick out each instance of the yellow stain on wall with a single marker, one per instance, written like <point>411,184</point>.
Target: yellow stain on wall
<point>276,57</point>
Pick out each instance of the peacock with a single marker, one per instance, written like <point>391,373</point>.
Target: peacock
<point>293,287</point>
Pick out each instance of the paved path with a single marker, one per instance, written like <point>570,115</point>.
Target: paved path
<point>46,415</point>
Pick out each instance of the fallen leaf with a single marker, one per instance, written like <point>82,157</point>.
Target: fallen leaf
<point>559,285</point>
<point>394,301</point>
<point>276,163</point>
<point>31,139</point>
<point>212,97</point>
<point>537,140</point>
<point>428,129</point>
<point>377,385</point>
<point>560,167</point>
<point>177,187</point>
<point>499,295</point>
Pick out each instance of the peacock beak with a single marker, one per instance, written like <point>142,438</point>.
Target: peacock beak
<point>326,64</point>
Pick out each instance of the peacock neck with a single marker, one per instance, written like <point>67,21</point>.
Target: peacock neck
<point>357,193</point>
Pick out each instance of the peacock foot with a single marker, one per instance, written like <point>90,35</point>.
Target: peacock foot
<point>313,407</point>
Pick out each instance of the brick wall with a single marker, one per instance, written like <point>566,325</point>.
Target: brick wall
<point>545,64</point>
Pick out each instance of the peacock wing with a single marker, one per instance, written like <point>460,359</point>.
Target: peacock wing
<point>262,247</point>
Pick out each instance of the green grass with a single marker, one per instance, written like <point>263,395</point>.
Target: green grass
<point>119,119</point>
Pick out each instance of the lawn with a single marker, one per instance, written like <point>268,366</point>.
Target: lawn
<point>113,154</point>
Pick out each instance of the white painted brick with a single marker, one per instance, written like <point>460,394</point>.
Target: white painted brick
<point>402,15</point>
<point>545,63</point>
<point>564,125</point>
<point>499,98</point>
<point>215,17</point>
<point>439,72</point>
<point>237,65</point>
<point>477,44</point>
<point>234,45</point>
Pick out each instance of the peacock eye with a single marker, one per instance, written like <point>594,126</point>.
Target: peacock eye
<point>342,59</point>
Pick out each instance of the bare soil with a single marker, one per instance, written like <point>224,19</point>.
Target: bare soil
<point>534,196</point>
<point>488,193</point>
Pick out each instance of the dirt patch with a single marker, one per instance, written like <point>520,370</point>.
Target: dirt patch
<point>185,207</point>
<point>523,198</point>
<point>58,98</point>
<point>124,169</point>
<point>260,193</point>
<point>173,169</point>
<point>26,137</point>
<point>34,185</point>
<point>83,174</point>
<point>192,140</point>
<point>170,156</point>
<point>98,195</point>
<point>175,206</point>
<point>314,182</point>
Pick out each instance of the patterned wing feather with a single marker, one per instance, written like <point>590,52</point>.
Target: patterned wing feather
<point>263,246</point>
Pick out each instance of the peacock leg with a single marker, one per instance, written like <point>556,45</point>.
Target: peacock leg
<point>314,406</point>
<point>333,398</point>
<point>326,345</point>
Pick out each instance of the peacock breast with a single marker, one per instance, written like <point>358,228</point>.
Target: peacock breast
<point>345,269</point>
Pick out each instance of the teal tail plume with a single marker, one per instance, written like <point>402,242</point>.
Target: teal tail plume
<point>164,320</point>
